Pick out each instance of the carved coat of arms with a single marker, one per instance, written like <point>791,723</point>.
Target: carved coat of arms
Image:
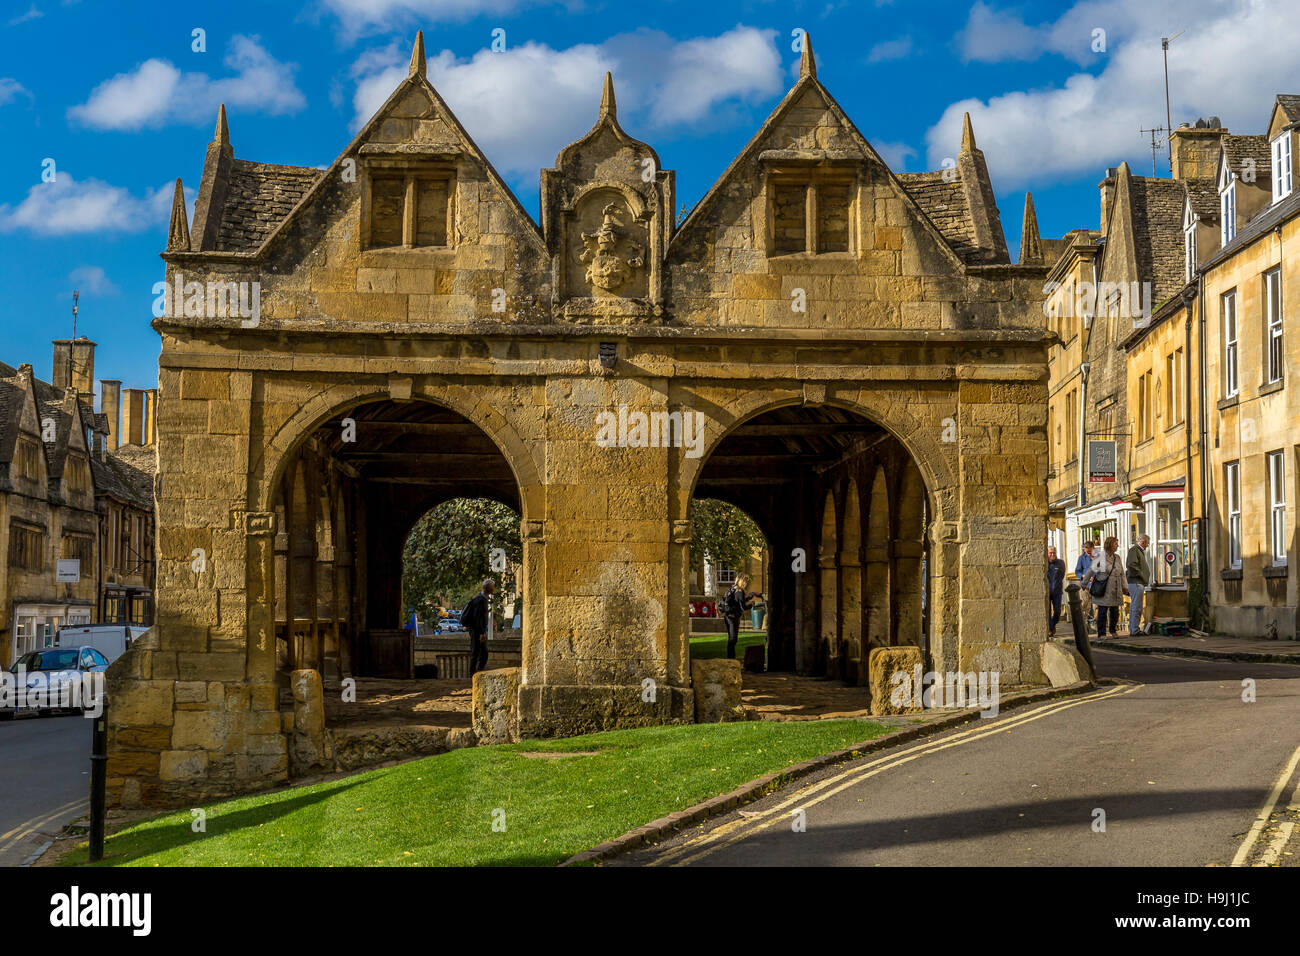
<point>609,255</point>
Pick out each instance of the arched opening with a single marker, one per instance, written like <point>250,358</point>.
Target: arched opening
<point>844,507</point>
<point>346,500</point>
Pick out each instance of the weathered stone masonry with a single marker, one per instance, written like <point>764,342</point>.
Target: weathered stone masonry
<point>872,389</point>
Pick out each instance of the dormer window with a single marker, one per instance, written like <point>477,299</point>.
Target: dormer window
<point>1228,211</point>
<point>1189,245</point>
<point>1282,166</point>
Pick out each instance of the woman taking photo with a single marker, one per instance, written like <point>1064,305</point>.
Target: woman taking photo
<point>1105,582</point>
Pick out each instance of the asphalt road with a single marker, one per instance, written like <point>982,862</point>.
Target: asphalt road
<point>44,780</point>
<point>1178,763</point>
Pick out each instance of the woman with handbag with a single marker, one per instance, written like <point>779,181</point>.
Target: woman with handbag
<point>1105,582</point>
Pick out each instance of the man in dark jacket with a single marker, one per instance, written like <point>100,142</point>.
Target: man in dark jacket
<point>1055,582</point>
<point>475,620</point>
<point>1138,574</point>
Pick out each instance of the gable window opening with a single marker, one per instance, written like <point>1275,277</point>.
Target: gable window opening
<point>1229,307</point>
<point>1189,245</point>
<point>1273,307</point>
<point>810,213</point>
<point>411,209</point>
<point>1282,166</point>
<point>1233,483</point>
<point>1277,506</point>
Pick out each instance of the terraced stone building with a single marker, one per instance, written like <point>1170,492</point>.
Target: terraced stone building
<point>844,352</point>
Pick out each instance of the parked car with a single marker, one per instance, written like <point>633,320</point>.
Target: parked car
<point>46,677</point>
<point>111,640</point>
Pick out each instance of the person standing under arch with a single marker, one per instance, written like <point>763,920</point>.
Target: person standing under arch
<point>735,603</point>
<point>475,620</point>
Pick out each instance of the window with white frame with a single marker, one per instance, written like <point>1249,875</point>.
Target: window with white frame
<point>1169,540</point>
<point>1228,303</point>
<point>1282,166</point>
<point>1189,246</point>
<point>1228,213</point>
<point>1273,314</point>
<point>1233,482</point>
<point>1277,506</point>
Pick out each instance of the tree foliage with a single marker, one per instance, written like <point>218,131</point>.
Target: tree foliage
<point>448,553</point>
<point>723,532</point>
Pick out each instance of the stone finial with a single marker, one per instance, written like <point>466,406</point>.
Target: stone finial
<point>178,233</point>
<point>807,64</point>
<point>221,136</point>
<point>1031,246</point>
<point>418,64</point>
<point>608,107</point>
<point>967,135</point>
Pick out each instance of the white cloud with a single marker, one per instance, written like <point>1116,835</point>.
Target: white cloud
<point>523,105</point>
<point>1230,62</point>
<point>92,279</point>
<point>895,155</point>
<point>365,16</point>
<point>68,206</point>
<point>31,14</point>
<point>890,50</point>
<point>11,89</point>
<point>156,92</point>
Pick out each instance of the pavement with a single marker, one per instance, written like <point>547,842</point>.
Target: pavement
<point>1210,647</point>
<point>1163,765</point>
<point>44,781</point>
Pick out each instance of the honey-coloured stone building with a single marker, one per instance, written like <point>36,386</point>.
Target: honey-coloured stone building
<point>844,352</point>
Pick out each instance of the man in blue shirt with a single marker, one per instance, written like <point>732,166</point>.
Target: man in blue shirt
<point>1081,567</point>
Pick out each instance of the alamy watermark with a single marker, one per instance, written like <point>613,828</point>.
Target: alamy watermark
<point>1131,299</point>
<point>658,429</point>
<point>209,300</point>
<point>954,689</point>
<point>38,690</point>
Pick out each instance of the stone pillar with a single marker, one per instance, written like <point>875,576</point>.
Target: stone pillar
<point>907,592</point>
<point>132,416</point>
<point>855,665</point>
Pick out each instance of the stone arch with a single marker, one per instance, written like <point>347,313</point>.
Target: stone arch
<point>336,399</point>
<point>935,460</point>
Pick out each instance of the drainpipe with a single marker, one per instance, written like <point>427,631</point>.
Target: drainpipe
<point>1083,403</point>
<point>1202,524</point>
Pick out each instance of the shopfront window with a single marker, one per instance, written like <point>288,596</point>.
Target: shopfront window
<point>1169,546</point>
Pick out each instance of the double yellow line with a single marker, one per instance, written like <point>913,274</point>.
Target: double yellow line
<point>728,834</point>
<point>1273,852</point>
<point>11,838</point>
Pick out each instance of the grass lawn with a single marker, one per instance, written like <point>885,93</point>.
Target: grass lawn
<point>704,646</point>
<point>438,811</point>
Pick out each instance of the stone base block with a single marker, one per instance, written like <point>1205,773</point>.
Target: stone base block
<point>563,710</point>
<point>1063,665</point>
<point>717,685</point>
<point>882,664</point>
<point>495,705</point>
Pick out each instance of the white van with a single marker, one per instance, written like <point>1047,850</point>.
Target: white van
<point>111,640</point>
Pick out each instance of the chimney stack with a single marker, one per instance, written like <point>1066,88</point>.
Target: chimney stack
<point>132,416</point>
<point>150,416</point>
<point>74,367</point>
<point>1196,150</point>
<point>111,404</point>
<point>1107,187</point>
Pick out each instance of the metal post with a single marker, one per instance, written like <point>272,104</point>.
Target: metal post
<point>1080,626</point>
<point>98,759</point>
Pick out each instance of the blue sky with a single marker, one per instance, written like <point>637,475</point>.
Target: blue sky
<point>115,95</point>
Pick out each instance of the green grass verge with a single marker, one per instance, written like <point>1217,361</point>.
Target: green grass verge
<point>704,646</point>
<point>438,811</point>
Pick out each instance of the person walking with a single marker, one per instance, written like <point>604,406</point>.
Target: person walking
<point>1081,569</point>
<point>735,603</point>
<point>1055,582</point>
<point>475,620</point>
<point>1105,578</point>
<point>1138,574</point>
